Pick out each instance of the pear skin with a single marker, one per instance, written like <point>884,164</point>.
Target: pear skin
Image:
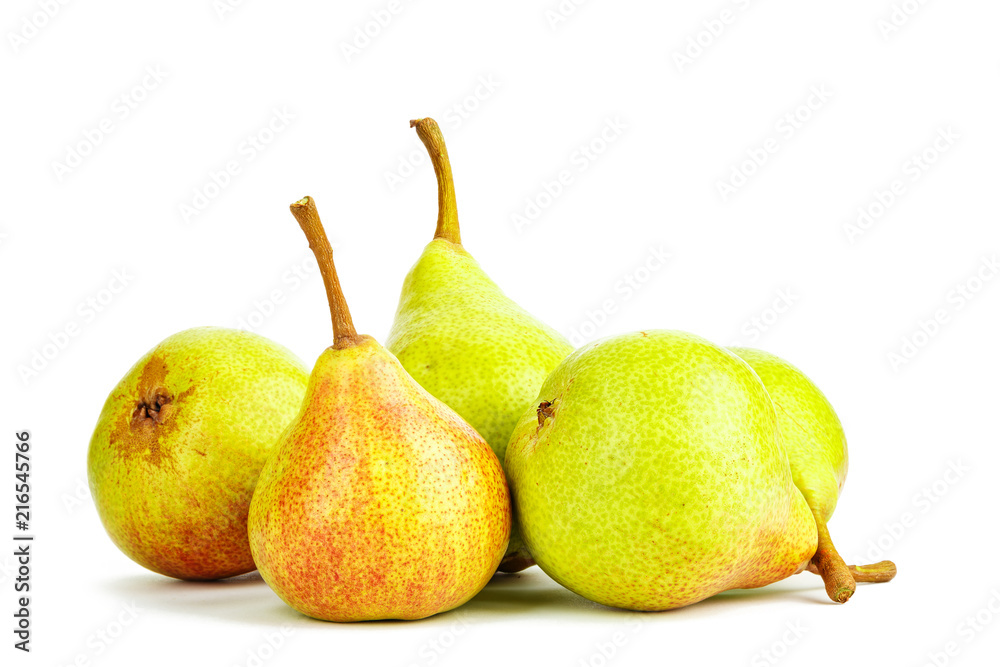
<point>463,339</point>
<point>652,475</point>
<point>813,435</point>
<point>379,502</point>
<point>468,344</point>
<point>180,442</point>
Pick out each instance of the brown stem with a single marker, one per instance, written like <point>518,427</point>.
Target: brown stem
<point>344,334</point>
<point>875,573</point>
<point>447,223</point>
<point>828,564</point>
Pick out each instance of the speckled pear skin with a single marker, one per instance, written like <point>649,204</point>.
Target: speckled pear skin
<point>473,348</point>
<point>180,442</point>
<point>657,477</point>
<point>813,436</point>
<point>379,502</point>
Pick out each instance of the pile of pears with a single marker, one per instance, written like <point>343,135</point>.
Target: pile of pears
<point>644,471</point>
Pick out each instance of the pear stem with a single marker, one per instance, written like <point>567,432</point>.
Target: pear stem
<point>876,573</point>
<point>447,222</point>
<point>344,334</point>
<point>828,564</point>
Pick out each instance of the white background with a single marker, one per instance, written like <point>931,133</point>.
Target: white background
<point>684,127</point>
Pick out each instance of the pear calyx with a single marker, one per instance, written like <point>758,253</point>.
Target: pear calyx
<point>344,334</point>
<point>545,411</point>
<point>152,408</point>
<point>433,140</point>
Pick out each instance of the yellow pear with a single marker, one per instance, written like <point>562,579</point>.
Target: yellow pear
<point>177,449</point>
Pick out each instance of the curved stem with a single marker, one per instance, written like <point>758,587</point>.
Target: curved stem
<point>875,573</point>
<point>344,334</point>
<point>828,564</point>
<point>447,223</point>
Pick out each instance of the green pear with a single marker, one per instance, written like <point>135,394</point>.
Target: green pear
<point>652,475</point>
<point>817,453</point>
<point>379,501</point>
<point>177,449</point>
<point>463,339</point>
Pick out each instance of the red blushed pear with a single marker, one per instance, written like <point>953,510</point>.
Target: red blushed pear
<point>379,501</point>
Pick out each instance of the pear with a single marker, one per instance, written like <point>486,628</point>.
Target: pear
<point>180,441</point>
<point>652,475</point>
<point>817,453</point>
<point>379,501</point>
<point>462,339</point>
